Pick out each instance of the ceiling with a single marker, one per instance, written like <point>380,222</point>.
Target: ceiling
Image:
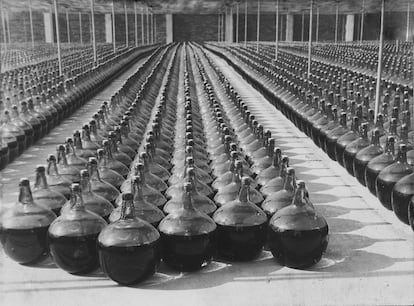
<point>210,6</point>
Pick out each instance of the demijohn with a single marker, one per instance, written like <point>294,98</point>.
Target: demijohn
<point>401,196</point>
<point>392,174</point>
<point>188,236</point>
<point>241,227</point>
<point>143,209</point>
<point>298,236</point>
<point>24,228</point>
<point>129,248</point>
<point>73,236</point>
<point>365,155</point>
<point>45,196</point>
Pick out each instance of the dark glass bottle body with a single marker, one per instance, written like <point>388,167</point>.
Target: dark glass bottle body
<point>390,175</point>
<point>188,236</point>
<point>298,236</point>
<point>73,237</point>
<point>129,248</point>
<point>24,228</point>
<point>241,227</point>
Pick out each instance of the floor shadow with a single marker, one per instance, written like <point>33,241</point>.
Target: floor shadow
<point>342,225</point>
<point>322,198</point>
<point>307,177</point>
<point>332,211</point>
<point>215,274</point>
<point>316,187</point>
<point>359,262</point>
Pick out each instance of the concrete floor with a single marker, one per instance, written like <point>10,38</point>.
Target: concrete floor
<point>369,261</point>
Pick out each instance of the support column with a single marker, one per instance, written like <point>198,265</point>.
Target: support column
<point>303,27</point>
<point>126,25</point>
<point>317,25</point>
<point>336,23</point>
<point>148,29</point>
<point>155,29</point>
<point>245,24</point>
<point>31,23</point>
<point>113,28</point>
<point>68,25</point>
<point>169,28</point>
<point>379,71</point>
<point>237,23</point>
<point>277,30</point>
<point>8,26</point>
<point>218,27</point>
<point>3,24</point>
<point>80,29</point>
<point>223,28</point>
<point>310,40</point>
<point>289,27</point>
<point>48,22</point>
<point>142,27</point>
<point>349,27</point>
<point>108,28</point>
<point>58,37</point>
<point>152,28</point>
<point>136,24</point>
<point>407,34</point>
<point>95,58</point>
<point>361,35</point>
<point>229,26</point>
<point>258,26</point>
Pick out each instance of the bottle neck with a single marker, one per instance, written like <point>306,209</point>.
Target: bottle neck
<point>41,181</point>
<point>62,158</point>
<point>94,172</point>
<point>127,210</point>
<point>276,160</point>
<point>77,142</point>
<point>244,194</point>
<point>25,195</point>
<point>282,172</point>
<point>76,201</point>
<point>289,184</point>
<point>137,190</point>
<point>86,135</point>
<point>85,185</point>
<point>52,168</point>
<point>108,152</point>
<point>188,200</point>
<point>299,197</point>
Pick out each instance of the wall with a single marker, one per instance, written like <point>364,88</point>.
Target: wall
<point>267,27</point>
<point>20,27</point>
<point>204,27</point>
<point>195,27</point>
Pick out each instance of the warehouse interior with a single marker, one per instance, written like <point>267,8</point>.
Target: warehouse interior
<point>190,152</point>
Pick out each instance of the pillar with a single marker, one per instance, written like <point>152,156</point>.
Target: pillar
<point>169,27</point>
<point>349,27</point>
<point>229,26</point>
<point>48,22</point>
<point>108,28</point>
<point>289,27</point>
